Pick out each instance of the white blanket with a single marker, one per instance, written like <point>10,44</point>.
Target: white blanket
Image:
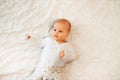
<point>95,36</point>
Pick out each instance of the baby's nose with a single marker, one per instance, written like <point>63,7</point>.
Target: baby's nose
<point>56,32</point>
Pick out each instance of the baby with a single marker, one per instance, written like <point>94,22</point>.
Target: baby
<point>57,52</point>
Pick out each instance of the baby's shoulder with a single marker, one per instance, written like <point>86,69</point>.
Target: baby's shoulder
<point>49,41</point>
<point>45,36</point>
<point>68,44</point>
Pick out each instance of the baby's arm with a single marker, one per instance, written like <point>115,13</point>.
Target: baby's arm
<point>70,53</point>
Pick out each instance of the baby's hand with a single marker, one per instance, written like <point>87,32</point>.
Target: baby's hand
<point>28,36</point>
<point>61,55</point>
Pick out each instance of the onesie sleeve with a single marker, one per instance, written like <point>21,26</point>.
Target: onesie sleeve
<point>44,41</point>
<point>70,53</point>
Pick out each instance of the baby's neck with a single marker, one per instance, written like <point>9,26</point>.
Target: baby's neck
<point>61,42</point>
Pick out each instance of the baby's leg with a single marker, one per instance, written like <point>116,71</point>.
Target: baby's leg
<point>56,73</point>
<point>38,73</point>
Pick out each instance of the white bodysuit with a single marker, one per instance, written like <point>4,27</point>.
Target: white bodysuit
<point>51,67</point>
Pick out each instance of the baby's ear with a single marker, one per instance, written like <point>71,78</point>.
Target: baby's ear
<point>69,38</point>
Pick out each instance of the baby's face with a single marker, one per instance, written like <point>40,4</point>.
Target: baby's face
<point>60,32</point>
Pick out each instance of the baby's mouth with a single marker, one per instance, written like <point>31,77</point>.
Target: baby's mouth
<point>55,36</point>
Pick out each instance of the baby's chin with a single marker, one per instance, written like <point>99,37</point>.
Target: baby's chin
<point>60,41</point>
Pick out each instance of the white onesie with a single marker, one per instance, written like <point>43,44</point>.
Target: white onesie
<point>51,67</point>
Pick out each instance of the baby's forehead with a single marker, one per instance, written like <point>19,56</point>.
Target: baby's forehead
<point>62,24</point>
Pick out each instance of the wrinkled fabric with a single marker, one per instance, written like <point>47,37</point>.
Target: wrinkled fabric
<point>51,67</point>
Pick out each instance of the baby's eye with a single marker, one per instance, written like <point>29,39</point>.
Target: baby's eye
<point>60,31</point>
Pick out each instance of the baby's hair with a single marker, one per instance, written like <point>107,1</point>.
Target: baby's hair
<point>63,21</point>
